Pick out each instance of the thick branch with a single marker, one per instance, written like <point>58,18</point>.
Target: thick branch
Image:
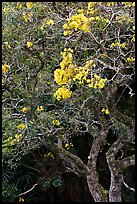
<point>98,192</point>
<point>116,167</point>
<point>72,160</point>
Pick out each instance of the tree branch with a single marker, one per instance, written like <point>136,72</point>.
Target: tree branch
<point>28,190</point>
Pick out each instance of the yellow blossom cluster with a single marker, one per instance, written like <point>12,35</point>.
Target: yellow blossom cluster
<point>96,82</point>
<point>82,72</point>
<point>21,199</point>
<point>56,122</point>
<point>67,71</point>
<point>19,5</point>
<point>128,4</point>
<point>68,145</point>
<point>40,108</point>
<point>90,8</point>
<point>29,44</point>
<point>106,111</point>
<point>117,44</point>
<point>27,17</point>
<point>46,22</point>
<point>5,68</point>
<point>97,18</point>
<point>123,18</point>
<point>133,39</point>
<point>6,44</point>
<point>80,21</point>
<point>110,3</point>
<point>16,139</point>
<point>76,22</point>
<point>5,10</point>
<point>92,5</point>
<point>62,93</point>
<point>50,22</point>
<point>30,5</point>
<point>24,110</point>
<point>21,126</point>
<point>130,59</point>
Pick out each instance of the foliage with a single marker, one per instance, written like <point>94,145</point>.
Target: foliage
<point>68,71</point>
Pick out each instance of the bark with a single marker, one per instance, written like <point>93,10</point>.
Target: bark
<point>116,167</point>
<point>97,191</point>
<point>115,187</point>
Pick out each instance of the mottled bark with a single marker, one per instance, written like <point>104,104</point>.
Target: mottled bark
<point>97,191</point>
<point>116,167</point>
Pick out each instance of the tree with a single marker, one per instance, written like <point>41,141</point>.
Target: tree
<point>68,69</point>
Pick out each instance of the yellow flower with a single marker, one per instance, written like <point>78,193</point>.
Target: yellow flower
<point>73,24</point>
<point>10,138</point>
<point>66,145</point>
<point>50,22</point>
<point>50,155</point>
<point>117,44</point>
<point>42,27</point>
<point>30,5</point>
<point>65,26</point>
<point>132,59</point>
<point>80,10</point>
<point>96,76</point>
<point>88,81</point>
<point>107,20</point>
<point>62,93</point>
<point>56,122</point>
<point>40,108</point>
<point>113,44</point>
<point>12,142</point>
<point>5,10</point>
<point>27,17</point>
<point>61,77</point>
<point>67,32</point>
<point>89,5</point>
<point>97,82</point>
<point>17,136</point>
<point>85,27</point>
<point>7,43</point>
<point>128,59</point>
<point>98,18</point>
<point>101,84</point>
<point>106,111</point>
<point>29,44</point>
<point>77,21</point>
<point>5,68</point>
<point>24,110</point>
<point>19,5</point>
<point>21,126</point>
<point>91,19</point>
<point>133,39</point>
<point>123,45</point>
<point>21,199</point>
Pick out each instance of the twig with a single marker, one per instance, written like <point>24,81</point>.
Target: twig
<point>28,190</point>
<point>131,189</point>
